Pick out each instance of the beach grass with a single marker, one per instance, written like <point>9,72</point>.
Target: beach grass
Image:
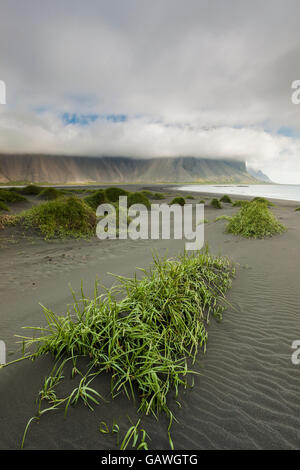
<point>226,199</point>
<point>216,204</point>
<point>254,220</point>
<point>96,198</point>
<point>11,196</point>
<point>31,190</point>
<point>63,217</point>
<point>4,207</point>
<point>148,341</point>
<point>178,200</point>
<point>49,194</point>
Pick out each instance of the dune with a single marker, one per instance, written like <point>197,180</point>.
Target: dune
<point>247,393</point>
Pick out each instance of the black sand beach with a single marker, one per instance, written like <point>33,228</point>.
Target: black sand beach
<point>247,396</point>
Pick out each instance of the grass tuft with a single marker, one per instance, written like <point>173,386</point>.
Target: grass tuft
<point>112,194</point>
<point>216,203</point>
<point>61,218</point>
<point>31,190</point>
<point>178,200</point>
<point>144,340</point>
<point>95,199</point>
<point>254,220</point>
<point>138,198</point>
<point>11,196</point>
<point>49,194</point>
<point>226,199</point>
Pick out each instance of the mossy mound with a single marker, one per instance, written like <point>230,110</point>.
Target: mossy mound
<point>49,194</point>
<point>11,196</point>
<point>61,218</point>
<point>254,220</point>
<point>3,207</point>
<point>240,203</point>
<point>95,199</point>
<point>31,190</point>
<point>216,204</point>
<point>178,200</point>
<point>263,200</point>
<point>226,199</point>
<point>112,194</point>
<point>138,198</point>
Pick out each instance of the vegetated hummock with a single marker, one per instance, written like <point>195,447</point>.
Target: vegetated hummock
<point>254,220</point>
<point>64,217</point>
<point>96,198</point>
<point>226,199</point>
<point>298,209</point>
<point>31,190</point>
<point>216,203</point>
<point>178,200</point>
<point>3,207</point>
<point>263,200</point>
<point>138,198</point>
<point>144,340</point>
<point>49,194</point>
<point>11,196</point>
<point>240,203</point>
<point>112,194</point>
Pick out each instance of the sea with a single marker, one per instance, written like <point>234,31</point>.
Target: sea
<point>289,192</point>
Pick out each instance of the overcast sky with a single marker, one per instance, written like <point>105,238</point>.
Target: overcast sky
<point>153,78</point>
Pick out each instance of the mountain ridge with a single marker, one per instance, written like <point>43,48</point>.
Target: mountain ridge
<point>37,168</point>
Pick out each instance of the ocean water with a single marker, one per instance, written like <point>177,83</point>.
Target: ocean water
<point>290,192</point>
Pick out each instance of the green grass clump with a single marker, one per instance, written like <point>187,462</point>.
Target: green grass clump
<point>151,195</point>
<point>202,201</point>
<point>143,340</point>
<point>254,220</point>
<point>159,196</point>
<point>3,207</point>
<point>112,194</point>
<point>31,190</point>
<point>62,218</point>
<point>11,196</point>
<point>298,209</point>
<point>226,199</point>
<point>240,203</point>
<point>49,194</point>
<point>138,198</point>
<point>95,199</point>
<point>263,200</point>
<point>223,217</point>
<point>216,204</point>
<point>178,200</point>
<point>190,197</point>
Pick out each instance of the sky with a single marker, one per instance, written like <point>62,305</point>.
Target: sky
<point>153,78</point>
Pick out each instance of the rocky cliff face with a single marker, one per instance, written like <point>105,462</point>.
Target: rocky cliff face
<point>67,169</point>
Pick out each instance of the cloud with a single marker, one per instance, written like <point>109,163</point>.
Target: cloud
<point>203,78</point>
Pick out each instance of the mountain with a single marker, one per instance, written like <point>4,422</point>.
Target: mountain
<point>68,169</point>
<point>259,175</point>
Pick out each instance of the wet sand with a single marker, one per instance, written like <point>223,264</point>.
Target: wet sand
<point>247,396</point>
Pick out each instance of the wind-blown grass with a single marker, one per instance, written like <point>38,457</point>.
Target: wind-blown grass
<point>254,220</point>
<point>226,199</point>
<point>11,196</point>
<point>95,199</point>
<point>62,218</point>
<point>3,207</point>
<point>144,340</point>
<point>49,194</point>
<point>178,200</point>
<point>216,204</point>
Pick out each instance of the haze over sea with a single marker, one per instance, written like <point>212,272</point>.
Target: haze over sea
<point>290,192</point>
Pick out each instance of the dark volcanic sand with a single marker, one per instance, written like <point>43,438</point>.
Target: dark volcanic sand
<point>247,396</point>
